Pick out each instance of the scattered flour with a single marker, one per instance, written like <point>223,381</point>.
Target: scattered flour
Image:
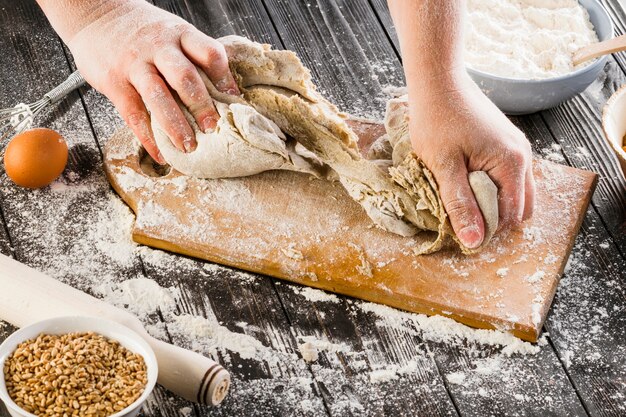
<point>382,375</point>
<point>526,39</point>
<point>292,252</point>
<point>186,411</point>
<point>315,295</point>
<point>536,277</point>
<point>550,259</point>
<point>394,371</point>
<point>456,378</point>
<point>311,347</point>
<point>143,296</point>
<point>443,329</point>
<point>309,352</point>
<point>534,235</point>
<point>129,179</point>
<point>207,336</point>
<point>139,296</point>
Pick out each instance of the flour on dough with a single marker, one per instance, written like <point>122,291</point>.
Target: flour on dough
<point>243,143</point>
<point>281,122</point>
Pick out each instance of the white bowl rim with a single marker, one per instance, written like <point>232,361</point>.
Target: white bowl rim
<point>150,360</point>
<point>601,61</point>
<point>606,112</point>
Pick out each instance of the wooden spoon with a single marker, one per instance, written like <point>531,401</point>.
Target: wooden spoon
<point>598,49</point>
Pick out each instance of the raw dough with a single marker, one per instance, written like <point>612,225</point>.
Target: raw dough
<point>243,143</point>
<point>282,122</point>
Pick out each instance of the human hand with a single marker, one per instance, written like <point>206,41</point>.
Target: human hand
<point>133,53</point>
<point>456,129</point>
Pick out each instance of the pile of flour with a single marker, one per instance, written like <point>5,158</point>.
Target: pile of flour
<point>526,39</point>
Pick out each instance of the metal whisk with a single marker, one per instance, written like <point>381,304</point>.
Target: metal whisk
<point>19,118</point>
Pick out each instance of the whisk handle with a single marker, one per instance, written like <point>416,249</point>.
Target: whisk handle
<point>74,81</point>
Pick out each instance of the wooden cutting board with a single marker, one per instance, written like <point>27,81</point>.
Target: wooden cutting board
<point>295,227</point>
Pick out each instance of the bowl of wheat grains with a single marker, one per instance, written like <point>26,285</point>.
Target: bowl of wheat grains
<point>76,366</point>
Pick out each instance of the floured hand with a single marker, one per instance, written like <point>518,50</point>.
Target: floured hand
<point>458,130</point>
<point>454,127</point>
<point>134,53</point>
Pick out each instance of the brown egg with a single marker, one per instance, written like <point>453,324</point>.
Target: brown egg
<point>35,157</point>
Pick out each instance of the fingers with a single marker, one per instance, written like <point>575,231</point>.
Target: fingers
<point>209,55</point>
<point>183,77</point>
<point>511,182</point>
<point>460,204</point>
<point>162,106</point>
<point>529,192</point>
<point>130,106</point>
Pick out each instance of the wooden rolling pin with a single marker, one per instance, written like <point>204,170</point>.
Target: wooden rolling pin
<point>28,296</point>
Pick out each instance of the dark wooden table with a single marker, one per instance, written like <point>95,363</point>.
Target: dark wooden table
<point>352,51</point>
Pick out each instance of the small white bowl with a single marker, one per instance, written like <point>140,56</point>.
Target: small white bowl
<point>614,124</point>
<point>62,325</point>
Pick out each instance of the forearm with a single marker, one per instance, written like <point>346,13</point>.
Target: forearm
<point>431,41</point>
<point>68,17</point>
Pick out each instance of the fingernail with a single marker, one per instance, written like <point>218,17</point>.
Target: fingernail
<point>160,158</point>
<point>188,145</point>
<point>470,236</point>
<point>227,85</point>
<point>208,124</point>
<point>222,84</point>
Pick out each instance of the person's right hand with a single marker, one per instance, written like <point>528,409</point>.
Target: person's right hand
<point>456,129</point>
<point>134,52</point>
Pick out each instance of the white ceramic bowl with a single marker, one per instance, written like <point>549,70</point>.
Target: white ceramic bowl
<point>61,325</point>
<point>515,96</point>
<point>614,124</point>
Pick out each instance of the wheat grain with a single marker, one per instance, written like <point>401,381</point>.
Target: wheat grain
<point>75,374</point>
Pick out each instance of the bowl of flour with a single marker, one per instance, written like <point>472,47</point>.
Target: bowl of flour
<point>520,51</point>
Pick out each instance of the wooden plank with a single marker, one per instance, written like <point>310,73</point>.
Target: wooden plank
<point>83,206</point>
<point>217,291</point>
<point>361,350</point>
<point>291,19</point>
<point>618,16</point>
<point>45,223</point>
<point>340,395</point>
<point>381,10</point>
<point>586,325</point>
<point>577,128</point>
<point>269,379</point>
<point>223,17</point>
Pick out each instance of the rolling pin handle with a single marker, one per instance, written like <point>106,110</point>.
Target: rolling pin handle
<point>191,375</point>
